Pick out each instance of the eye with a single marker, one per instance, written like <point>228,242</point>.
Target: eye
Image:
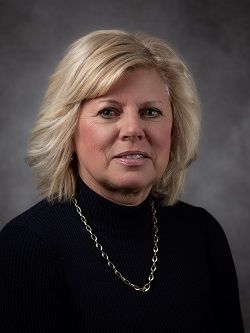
<point>108,113</point>
<point>151,113</point>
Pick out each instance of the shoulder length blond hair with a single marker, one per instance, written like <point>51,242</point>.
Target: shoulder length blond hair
<point>92,65</point>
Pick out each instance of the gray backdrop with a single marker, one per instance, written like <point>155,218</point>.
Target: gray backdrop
<point>212,37</point>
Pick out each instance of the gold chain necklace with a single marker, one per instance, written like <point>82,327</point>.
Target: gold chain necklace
<point>147,285</point>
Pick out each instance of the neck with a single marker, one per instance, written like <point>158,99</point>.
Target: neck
<point>121,196</point>
<point>107,216</point>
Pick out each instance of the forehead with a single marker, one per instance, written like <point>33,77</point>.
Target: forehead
<point>138,87</point>
<point>139,83</point>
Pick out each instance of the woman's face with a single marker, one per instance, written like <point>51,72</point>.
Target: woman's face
<point>123,138</point>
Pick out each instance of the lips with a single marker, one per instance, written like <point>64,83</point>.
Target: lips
<point>132,159</point>
<point>134,155</point>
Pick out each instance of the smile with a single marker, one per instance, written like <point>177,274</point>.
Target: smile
<point>133,156</point>
<point>130,154</point>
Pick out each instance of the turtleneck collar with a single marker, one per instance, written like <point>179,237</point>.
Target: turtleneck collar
<point>111,217</point>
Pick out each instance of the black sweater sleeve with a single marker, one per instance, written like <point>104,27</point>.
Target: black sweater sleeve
<point>31,295</point>
<point>224,279</point>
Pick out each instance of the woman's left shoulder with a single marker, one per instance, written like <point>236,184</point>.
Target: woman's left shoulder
<point>188,216</point>
<point>195,225</point>
<point>181,208</point>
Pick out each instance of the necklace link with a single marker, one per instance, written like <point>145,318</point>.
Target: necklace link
<point>147,285</point>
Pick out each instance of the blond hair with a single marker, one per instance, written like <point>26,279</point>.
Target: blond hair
<point>92,65</point>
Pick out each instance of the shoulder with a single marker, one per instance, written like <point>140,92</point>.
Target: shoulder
<point>186,209</point>
<point>28,259</point>
<point>192,227</point>
<point>24,228</point>
<point>30,213</point>
<point>193,219</point>
<point>42,233</point>
<point>22,221</point>
<point>183,211</point>
<point>43,220</point>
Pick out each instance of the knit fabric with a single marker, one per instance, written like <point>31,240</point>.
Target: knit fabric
<point>54,279</point>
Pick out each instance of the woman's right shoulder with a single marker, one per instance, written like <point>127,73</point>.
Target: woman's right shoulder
<point>30,213</point>
<point>40,219</point>
<point>29,216</point>
<point>25,222</point>
<point>21,236</point>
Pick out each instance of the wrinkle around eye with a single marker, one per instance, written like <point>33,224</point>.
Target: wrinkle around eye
<point>108,113</point>
<point>155,113</point>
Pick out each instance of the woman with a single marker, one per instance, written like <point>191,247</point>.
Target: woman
<point>111,248</point>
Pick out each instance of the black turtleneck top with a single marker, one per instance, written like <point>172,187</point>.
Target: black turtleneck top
<point>54,279</point>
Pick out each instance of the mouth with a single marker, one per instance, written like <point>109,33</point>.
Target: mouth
<point>132,155</point>
<point>132,159</point>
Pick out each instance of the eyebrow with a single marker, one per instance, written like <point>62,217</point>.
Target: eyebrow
<point>113,101</point>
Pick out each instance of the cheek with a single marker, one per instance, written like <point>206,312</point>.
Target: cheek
<point>163,138</point>
<point>83,140</point>
<point>162,147</point>
<point>91,139</point>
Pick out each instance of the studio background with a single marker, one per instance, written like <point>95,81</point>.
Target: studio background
<point>212,37</point>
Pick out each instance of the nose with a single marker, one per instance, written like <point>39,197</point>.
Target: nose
<point>131,126</point>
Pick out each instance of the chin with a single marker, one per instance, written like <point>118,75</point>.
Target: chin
<point>132,185</point>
